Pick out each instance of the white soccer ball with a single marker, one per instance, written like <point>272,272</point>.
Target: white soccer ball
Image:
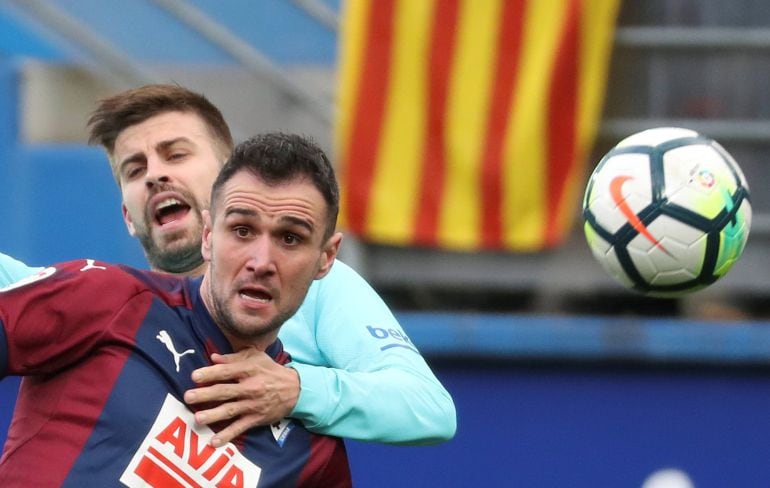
<point>667,211</point>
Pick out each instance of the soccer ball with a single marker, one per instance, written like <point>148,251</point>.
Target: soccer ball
<point>667,211</point>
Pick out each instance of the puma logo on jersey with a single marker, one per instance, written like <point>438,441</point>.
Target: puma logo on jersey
<point>90,265</point>
<point>176,453</point>
<point>165,338</point>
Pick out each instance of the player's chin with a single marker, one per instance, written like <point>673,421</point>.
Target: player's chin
<point>251,328</point>
<point>255,315</point>
<point>177,240</point>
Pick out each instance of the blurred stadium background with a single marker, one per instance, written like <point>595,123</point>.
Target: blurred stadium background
<point>561,377</point>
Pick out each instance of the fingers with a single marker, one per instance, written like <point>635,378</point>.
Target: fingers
<point>216,374</point>
<point>236,428</point>
<point>234,411</point>
<point>241,413</point>
<point>249,390</point>
<point>234,357</point>
<point>231,367</point>
<point>242,416</point>
<point>214,393</point>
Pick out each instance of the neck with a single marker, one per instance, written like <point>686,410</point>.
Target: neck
<point>196,271</point>
<point>260,344</point>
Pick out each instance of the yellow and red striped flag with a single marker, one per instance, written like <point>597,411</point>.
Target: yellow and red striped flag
<point>464,124</point>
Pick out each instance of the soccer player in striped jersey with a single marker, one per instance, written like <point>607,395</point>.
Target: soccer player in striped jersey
<point>354,373</point>
<point>108,351</point>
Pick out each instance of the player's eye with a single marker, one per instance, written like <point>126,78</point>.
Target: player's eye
<point>291,239</point>
<point>133,172</point>
<point>242,231</point>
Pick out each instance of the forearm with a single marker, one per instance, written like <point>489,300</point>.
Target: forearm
<point>393,406</point>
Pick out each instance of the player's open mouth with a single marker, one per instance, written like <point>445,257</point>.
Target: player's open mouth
<point>256,296</point>
<point>170,210</point>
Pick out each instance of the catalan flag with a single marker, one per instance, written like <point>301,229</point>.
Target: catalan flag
<point>465,124</point>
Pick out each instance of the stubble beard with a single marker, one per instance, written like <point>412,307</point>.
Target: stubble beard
<point>247,331</point>
<point>178,257</point>
<point>180,252</point>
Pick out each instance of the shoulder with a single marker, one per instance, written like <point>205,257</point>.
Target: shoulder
<point>341,276</point>
<point>339,288</point>
<point>86,278</point>
<point>82,272</point>
<point>341,295</point>
<point>65,306</point>
<point>174,290</point>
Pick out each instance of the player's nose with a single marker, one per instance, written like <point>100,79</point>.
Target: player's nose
<point>261,256</point>
<point>157,172</point>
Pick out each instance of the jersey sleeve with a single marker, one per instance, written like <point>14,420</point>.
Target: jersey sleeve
<point>56,317</point>
<point>360,375</point>
<point>12,270</point>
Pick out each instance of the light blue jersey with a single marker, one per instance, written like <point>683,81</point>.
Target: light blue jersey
<point>360,375</point>
<point>12,270</point>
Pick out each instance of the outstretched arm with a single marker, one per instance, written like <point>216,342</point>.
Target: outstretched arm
<point>392,406</point>
<point>12,270</point>
<point>377,386</point>
<point>360,377</point>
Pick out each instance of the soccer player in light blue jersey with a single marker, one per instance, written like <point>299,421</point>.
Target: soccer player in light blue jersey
<point>354,373</point>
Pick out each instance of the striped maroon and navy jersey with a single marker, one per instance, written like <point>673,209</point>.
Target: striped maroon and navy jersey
<point>106,353</point>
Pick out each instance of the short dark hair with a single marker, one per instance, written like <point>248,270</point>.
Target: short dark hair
<point>118,112</point>
<point>275,158</point>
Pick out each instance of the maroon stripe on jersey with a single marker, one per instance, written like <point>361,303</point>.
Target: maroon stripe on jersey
<point>45,397</point>
<point>169,287</point>
<point>327,464</point>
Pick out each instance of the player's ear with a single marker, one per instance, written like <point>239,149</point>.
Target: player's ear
<point>328,254</point>
<point>127,219</point>
<point>206,241</point>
